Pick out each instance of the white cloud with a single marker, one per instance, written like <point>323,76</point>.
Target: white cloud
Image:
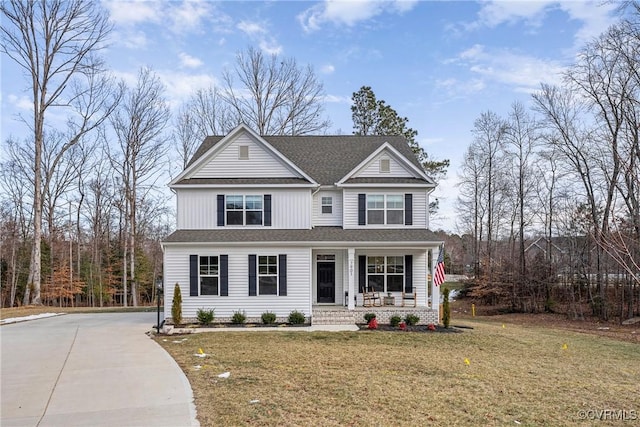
<point>180,86</point>
<point>132,12</point>
<point>188,61</point>
<point>189,15</point>
<point>251,28</point>
<point>20,102</point>
<point>327,69</point>
<point>495,13</point>
<point>270,47</point>
<point>597,17</point>
<point>349,13</point>
<point>523,72</point>
<point>337,99</point>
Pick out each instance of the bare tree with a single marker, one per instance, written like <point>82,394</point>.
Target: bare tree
<point>139,125</point>
<point>275,96</point>
<point>54,42</point>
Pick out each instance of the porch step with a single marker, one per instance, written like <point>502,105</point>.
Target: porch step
<point>332,317</point>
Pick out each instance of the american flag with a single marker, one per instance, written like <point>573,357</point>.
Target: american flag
<point>438,278</point>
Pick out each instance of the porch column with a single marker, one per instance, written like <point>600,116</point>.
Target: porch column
<point>351,263</point>
<point>435,290</point>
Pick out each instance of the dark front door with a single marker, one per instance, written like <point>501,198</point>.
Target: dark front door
<point>326,282</point>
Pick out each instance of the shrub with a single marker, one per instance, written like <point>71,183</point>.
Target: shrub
<point>296,317</point>
<point>205,317</point>
<point>176,306</point>
<point>446,308</point>
<point>369,316</point>
<point>268,318</point>
<point>239,317</point>
<point>411,319</point>
<point>395,320</point>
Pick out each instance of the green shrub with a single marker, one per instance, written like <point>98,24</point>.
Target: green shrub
<point>268,318</point>
<point>239,317</point>
<point>205,317</point>
<point>296,317</point>
<point>411,319</point>
<point>395,320</point>
<point>446,308</point>
<point>369,316</point>
<point>176,306</point>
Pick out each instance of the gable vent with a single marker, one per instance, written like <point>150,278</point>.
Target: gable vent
<point>385,165</point>
<point>243,152</point>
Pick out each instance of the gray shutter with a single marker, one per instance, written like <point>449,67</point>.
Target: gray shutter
<point>282,275</point>
<point>193,275</point>
<point>252,276</point>
<point>220,210</point>
<point>362,273</point>
<point>224,275</point>
<point>267,210</point>
<point>408,209</point>
<point>362,209</point>
<point>408,273</point>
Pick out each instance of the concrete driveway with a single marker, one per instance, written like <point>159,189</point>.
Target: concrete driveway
<point>90,370</point>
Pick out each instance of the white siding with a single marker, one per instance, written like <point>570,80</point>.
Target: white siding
<point>261,163</point>
<point>332,219</point>
<point>197,208</point>
<point>372,169</point>
<point>420,283</point>
<point>176,267</point>
<point>350,212</point>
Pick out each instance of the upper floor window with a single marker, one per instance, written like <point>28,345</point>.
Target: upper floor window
<point>327,205</point>
<point>244,210</point>
<point>385,209</point>
<point>209,275</point>
<point>268,275</point>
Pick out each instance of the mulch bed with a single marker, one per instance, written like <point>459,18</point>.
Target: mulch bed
<point>415,328</point>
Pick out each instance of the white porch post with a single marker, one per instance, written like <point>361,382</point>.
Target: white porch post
<point>435,290</point>
<point>351,263</point>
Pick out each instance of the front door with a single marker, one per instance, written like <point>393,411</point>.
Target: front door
<point>326,282</point>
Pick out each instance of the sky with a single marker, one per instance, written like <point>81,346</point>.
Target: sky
<point>440,64</point>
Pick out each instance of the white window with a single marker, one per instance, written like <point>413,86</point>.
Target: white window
<point>243,152</point>
<point>375,209</point>
<point>244,210</point>
<point>385,166</point>
<point>385,209</point>
<point>385,274</point>
<point>327,205</point>
<point>209,275</point>
<point>268,275</point>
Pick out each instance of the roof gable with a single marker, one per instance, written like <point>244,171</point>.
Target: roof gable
<point>222,158</point>
<point>327,159</point>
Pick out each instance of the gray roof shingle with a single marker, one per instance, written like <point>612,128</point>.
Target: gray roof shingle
<point>314,235</point>
<point>326,159</point>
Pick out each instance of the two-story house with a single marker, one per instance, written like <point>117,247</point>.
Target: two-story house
<point>283,223</point>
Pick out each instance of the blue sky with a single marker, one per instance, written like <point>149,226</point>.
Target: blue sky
<point>440,64</point>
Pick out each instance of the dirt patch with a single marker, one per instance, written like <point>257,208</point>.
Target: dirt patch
<point>588,325</point>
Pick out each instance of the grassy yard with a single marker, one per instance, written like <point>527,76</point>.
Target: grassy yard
<point>515,376</point>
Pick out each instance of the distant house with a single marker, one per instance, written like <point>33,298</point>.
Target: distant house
<point>283,223</point>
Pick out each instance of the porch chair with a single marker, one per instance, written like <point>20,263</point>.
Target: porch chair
<point>409,296</point>
<point>371,298</point>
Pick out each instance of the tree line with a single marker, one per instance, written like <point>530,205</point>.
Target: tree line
<point>549,197</point>
<point>82,211</point>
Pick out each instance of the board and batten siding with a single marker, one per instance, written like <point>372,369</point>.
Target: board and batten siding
<point>176,270</point>
<point>419,208</point>
<point>372,169</point>
<point>334,219</point>
<point>261,163</point>
<point>197,208</point>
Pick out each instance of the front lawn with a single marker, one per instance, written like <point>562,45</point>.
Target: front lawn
<point>491,375</point>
